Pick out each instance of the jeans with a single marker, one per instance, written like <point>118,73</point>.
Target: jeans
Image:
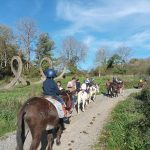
<point>60,100</point>
<point>74,98</point>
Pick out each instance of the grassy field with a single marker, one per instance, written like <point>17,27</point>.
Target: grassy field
<point>129,127</point>
<point>11,100</point>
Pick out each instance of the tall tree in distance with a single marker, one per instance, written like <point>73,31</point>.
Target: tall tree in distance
<point>102,57</point>
<point>27,35</point>
<point>44,47</point>
<point>73,52</point>
<point>124,52</point>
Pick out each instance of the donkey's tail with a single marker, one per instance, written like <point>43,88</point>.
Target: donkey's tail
<point>20,136</point>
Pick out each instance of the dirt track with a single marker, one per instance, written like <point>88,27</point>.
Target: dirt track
<point>84,128</point>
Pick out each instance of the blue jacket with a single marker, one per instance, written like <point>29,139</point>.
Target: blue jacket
<point>50,88</point>
<point>78,86</point>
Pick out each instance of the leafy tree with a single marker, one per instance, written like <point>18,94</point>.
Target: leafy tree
<point>115,59</point>
<point>8,49</point>
<point>45,45</point>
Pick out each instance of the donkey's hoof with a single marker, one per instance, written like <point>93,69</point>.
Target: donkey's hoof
<point>58,142</point>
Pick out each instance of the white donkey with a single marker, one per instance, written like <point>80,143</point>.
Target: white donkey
<point>94,89</point>
<point>82,98</point>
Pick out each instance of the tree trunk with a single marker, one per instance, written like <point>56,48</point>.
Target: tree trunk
<point>99,73</point>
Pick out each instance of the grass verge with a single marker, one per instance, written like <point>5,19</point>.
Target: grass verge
<point>129,127</point>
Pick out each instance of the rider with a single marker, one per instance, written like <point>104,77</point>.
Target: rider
<point>78,85</point>
<point>59,85</point>
<point>87,81</point>
<point>50,88</point>
<point>141,83</point>
<point>92,80</point>
<point>107,85</point>
<point>116,80</point>
<point>83,87</point>
<point>71,86</point>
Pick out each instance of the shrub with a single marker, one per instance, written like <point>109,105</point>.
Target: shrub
<point>129,128</point>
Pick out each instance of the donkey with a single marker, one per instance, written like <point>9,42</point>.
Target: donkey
<point>82,98</point>
<point>93,91</point>
<point>40,115</point>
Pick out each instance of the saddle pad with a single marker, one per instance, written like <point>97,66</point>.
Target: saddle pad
<point>57,105</point>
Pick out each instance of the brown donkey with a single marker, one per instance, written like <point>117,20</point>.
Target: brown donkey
<point>40,115</point>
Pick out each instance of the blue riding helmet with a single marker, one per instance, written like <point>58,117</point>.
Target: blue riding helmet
<point>50,73</point>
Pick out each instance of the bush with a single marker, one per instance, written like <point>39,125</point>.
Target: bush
<point>129,128</point>
<point>8,111</point>
<point>119,70</point>
<point>32,73</point>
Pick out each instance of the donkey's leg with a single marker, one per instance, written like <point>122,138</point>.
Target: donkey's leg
<point>78,104</point>
<point>36,138</point>
<point>88,99</point>
<point>94,96</point>
<point>58,136</point>
<point>83,104</point>
<point>50,141</point>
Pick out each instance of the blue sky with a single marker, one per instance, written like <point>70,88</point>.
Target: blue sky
<point>97,23</point>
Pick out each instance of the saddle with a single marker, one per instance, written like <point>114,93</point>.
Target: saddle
<point>57,105</point>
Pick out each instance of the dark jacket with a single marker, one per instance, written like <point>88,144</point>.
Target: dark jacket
<point>78,86</point>
<point>50,88</point>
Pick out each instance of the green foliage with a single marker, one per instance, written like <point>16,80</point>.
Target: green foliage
<point>33,72</point>
<point>115,59</point>
<point>8,111</point>
<point>145,97</point>
<point>119,70</point>
<point>10,102</point>
<point>45,45</point>
<point>148,70</point>
<point>7,50</point>
<point>129,128</point>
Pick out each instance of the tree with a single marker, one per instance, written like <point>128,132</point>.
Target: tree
<point>115,59</point>
<point>102,56</point>
<point>8,47</point>
<point>27,35</point>
<point>44,47</point>
<point>73,52</point>
<point>124,52</point>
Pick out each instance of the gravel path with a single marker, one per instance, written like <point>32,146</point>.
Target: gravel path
<point>84,128</point>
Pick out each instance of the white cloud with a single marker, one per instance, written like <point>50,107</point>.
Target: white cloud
<point>124,22</point>
<point>136,40</point>
<point>96,16</point>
